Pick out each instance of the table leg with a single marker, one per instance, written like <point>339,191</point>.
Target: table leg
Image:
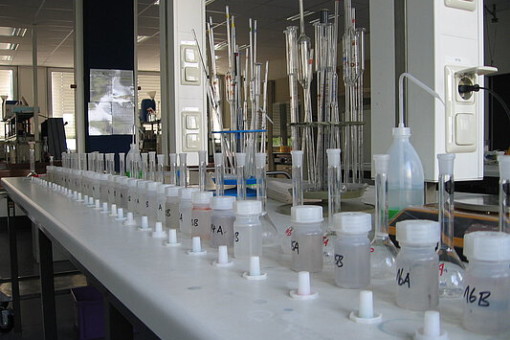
<point>13,253</point>
<point>47,287</point>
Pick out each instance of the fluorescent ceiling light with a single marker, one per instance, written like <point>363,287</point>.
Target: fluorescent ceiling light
<point>9,46</point>
<point>12,31</point>
<point>5,57</point>
<point>142,38</point>
<point>297,16</point>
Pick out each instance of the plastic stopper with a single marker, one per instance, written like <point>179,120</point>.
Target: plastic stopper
<point>172,238</point>
<point>254,273</point>
<point>97,205</point>
<point>333,157</point>
<point>304,291</point>
<point>245,207</point>
<point>91,201</point>
<point>431,329</point>
<point>196,246</point>
<point>306,214</point>
<point>222,260</point>
<point>297,158</point>
<point>365,313</point>
<point>130,221</point>
<point>381,163</point>
<point>487,246</point>
<point>113,212</point>
<point>418,232</point>
<point>145,223</point>
<point>158,231</point>
<point>445,163</point>
<point>120,214</point>
<point>352,222</point>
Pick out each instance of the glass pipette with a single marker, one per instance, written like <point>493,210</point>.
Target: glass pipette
<point>241,181</point>
<point>383,251</point>
<point>219,169</point>
<point>152,166</point>
<point>144,165</point>
<point>122,163</point>
<point>269,232</point>
<point>451,268</point>
<point>202,168</point>
<point>297,177</point>
<point>173,168</point>
<point>160,175</point>
<point>504,193</point>
<point>183,170</point>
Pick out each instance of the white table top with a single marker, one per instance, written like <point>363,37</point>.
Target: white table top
<point>184,297</point>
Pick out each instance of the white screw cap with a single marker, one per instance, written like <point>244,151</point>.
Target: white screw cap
<point>418,232</point>
<point>431,329</point>
<point>248,207</point>
<point>196,247</point>
<point>352,222</point>
<point>487,246</point>
<point>306,214</point>
<point>365,313</point>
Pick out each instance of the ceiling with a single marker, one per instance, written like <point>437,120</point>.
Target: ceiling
<point>53,21</point>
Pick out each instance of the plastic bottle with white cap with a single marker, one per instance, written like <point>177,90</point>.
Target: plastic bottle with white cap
<point>131,193</point>
<point>306,242</point>
<point>122,192</point>
<point>201,214</point>
<point>247,229</point>
<point>417,265</point>
<point>352,249</point>
<point>161,204</point>
<point>486,299</point>
<point>185,207</point>
<point>151,200</point>
<point>222,221</point>
<point>172,214</point>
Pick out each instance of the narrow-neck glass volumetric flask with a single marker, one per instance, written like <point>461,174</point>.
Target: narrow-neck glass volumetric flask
<point>451,268</point>
<point>382,250</point>
<point>504,193</point>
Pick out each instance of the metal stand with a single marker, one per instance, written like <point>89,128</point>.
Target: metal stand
<point>49,313</point>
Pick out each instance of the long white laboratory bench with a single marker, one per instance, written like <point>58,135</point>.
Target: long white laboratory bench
<point>181,296</point>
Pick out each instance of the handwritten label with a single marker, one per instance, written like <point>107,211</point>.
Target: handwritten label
<point>338,260</point>
<point>294,246</point>
<point>236,236</point>
<point>325,240</point>
<point>168,213</point>
<point>442,269</point>
<point>481,298</point>
<point>194,222</point>
<point>160,207</point>
<point>403,279</point>
<point>288,231</point>
<point>217,230</point>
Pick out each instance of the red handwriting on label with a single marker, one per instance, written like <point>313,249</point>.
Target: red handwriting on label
<point>288,231</point>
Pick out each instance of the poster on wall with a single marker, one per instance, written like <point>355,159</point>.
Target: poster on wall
<point>111,106</point>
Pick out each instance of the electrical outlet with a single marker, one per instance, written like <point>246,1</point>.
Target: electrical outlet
<point>461,111</point>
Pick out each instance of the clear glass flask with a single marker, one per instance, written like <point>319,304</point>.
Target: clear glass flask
<point>382,250</point>
<point>451,268</point>
<point>504,193</point>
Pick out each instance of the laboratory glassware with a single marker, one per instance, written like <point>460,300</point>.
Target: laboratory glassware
<point>247,229</point>
<point>222,221</point>
<point>241,180</point>
<point>183,170</point>
<point>185,207</point>
<point>504,193</point>
<point>451,268</point>
<point>306,242</point>
<point>202,168</point>
<point>382,250</point>
<point>417,279</point>
<point>352,249</point>
<point>160,174</point>
<point>269,232</point>
<point>297,177</point>
<point>486,302</point>
<point>173,169</point>
<point>172,213</point>
<point>219,173</point>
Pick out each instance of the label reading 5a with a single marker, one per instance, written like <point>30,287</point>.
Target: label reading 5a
<point>294,246</point>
